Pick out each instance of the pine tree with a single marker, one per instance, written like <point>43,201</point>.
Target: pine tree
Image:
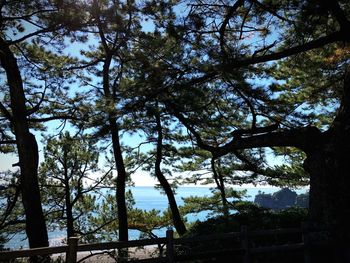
<point>70,182</point>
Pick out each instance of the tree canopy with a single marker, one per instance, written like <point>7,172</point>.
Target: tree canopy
<point>230,92</point>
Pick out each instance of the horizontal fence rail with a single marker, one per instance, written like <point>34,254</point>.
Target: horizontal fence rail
<point>244,237</point>
<point>121,244</point>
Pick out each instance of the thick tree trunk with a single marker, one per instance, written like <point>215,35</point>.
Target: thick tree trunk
<point>70,219</point>
<point>27,152</point>
<point>177,220</point>
<point>121,181</point>
<point>329,199</point>
<point>328,164</point>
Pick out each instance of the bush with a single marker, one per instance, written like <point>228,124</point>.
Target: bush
<point>255,218</point>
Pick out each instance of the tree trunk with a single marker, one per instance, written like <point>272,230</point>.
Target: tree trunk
<point>178,223</point>
<point>328,164</point>
<point>70,225</point>
<point>70,219</point>
<point>121,180</point>
<point>117,151</point>
<point>177,220</point>
<point>27,152</point>
<point>69,208</point>
<point>329,199</point>
<point>220,183</point>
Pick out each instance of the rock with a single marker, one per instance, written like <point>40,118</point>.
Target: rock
<point>281,199</point>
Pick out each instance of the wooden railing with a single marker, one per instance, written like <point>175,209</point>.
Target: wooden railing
<point>244,236</point>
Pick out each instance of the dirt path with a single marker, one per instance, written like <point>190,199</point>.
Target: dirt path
<point>104,257</point>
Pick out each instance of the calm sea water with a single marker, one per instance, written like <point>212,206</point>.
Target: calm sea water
<point>148,198</point>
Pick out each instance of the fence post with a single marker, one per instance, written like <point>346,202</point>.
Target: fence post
<point>71,255</point>
<point>306,241</point>
<point>245,244</point>
<point>170,245</point>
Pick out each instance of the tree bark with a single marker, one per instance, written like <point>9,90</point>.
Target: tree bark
<point>328,166</point>
<point>69,214</point>
<point>117,151</point>
<point>121,180</point>
<point>220,183</point>
<point>27,152</point>
<point>69,208</point>
<point>177,220</point>
<point>327,163</point>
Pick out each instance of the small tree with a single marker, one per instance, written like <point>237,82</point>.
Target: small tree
<point>68,181</point>
<point>12,220</point>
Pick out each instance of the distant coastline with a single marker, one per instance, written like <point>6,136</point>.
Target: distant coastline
<point>147,198</point>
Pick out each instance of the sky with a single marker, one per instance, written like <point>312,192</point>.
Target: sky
<point>6,161</point>
<point>141,178</point>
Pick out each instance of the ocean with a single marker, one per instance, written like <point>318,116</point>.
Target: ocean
<point>148,198</point>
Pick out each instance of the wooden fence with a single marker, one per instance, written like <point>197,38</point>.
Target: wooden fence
<point>244,236</point>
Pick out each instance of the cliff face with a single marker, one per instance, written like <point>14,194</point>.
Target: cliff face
<point>281,199</point>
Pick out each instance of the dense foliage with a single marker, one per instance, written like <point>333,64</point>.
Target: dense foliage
<point>254,218</point>
<point>190,91</point>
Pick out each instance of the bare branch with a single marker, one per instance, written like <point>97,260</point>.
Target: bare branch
<point>197,136</point>
<point>86,65</point>
<point>244,20</point>
<point>248,102</point>
<point>10,206</point>
<point>8,142</point>
<point>334,37</point>
<point>37,106</point>
<point>24,17</point>
<point>38,32</point>
<point>57,117</point>
<point>228,16</point>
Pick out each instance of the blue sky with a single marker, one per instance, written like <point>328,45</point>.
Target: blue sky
<point>6,160</point>
<point>140,178</point>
